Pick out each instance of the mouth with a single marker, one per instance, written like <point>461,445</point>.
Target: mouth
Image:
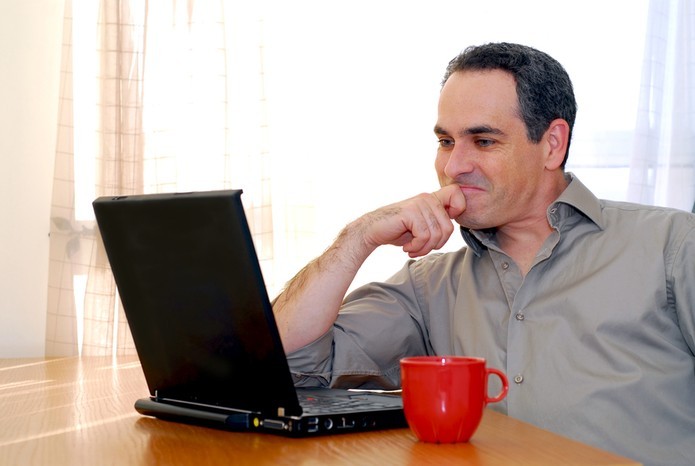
<point>469,189</point>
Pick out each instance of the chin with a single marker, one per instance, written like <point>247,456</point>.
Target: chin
<point>472,223</point>
<point>467,223</point>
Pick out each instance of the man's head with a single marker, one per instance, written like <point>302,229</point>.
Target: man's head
<point>503,135</point>
<point>543,87</point>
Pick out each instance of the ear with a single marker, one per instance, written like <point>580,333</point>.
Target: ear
<point>557,138</point>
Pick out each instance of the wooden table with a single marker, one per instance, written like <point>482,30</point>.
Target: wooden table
<point>80,411</point>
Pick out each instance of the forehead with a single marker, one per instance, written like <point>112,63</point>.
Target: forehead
<point>478,98</point>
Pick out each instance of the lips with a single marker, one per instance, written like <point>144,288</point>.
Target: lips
<point>471,189</point>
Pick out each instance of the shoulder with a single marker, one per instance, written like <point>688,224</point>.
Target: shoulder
<point>628,214</point>
<point>624,217</point>
<point>667,232</point>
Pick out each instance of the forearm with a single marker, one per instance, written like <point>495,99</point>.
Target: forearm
<point>310,302</point>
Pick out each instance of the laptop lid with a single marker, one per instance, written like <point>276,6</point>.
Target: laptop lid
<point>196,303</point>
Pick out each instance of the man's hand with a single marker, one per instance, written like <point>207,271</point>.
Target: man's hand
<point>419,224</point>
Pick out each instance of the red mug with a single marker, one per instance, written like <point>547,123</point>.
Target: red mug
<point>444,396</point>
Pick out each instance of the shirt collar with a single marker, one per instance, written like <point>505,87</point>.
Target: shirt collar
<point>474,243</point>
<point>582,199</point>
<point>577,196</point>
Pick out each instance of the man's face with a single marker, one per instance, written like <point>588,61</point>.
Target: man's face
<point>483,147</point>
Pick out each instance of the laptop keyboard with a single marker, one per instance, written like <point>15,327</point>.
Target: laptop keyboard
<point>346,402</point>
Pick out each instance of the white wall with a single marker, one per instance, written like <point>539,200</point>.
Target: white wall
<point>30,43</point>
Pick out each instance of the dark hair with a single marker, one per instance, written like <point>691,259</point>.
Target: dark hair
<point>543,87</point>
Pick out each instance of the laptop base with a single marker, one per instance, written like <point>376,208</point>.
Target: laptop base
<point>288,426</point>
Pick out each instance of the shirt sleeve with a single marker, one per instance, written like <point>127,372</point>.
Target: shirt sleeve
<point>682,283</point>
<point>378,324</point>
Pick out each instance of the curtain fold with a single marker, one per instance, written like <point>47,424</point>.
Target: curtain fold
<point>84,313</point>
<point>662,171</point>
<point>152,115</point>
<point>119,161</point>
<point>65,237</point>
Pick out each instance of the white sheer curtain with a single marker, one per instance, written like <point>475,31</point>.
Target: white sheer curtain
<point>663,164</point>
<point>149,94</point>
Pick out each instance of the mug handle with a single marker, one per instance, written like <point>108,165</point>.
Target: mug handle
<point>505,385</point>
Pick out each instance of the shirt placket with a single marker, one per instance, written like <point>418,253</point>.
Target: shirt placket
<point>511,281</point>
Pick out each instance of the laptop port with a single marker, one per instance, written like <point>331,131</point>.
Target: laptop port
<point>312,425</point>
<point>274,424</point>
<point>328,423</point>
<point>346,423</point>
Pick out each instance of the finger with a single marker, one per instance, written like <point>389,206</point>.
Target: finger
<point>431,226</point>
<point>452,199</point>
<point>446,226</point>
<point>425,232</point>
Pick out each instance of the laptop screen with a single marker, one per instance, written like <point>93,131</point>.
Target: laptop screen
<point>193,293</point>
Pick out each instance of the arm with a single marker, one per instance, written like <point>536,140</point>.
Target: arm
<point>682,280</point>
<point>309,305</point>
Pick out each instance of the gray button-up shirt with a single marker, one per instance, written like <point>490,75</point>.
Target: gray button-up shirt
<point>598,339</point>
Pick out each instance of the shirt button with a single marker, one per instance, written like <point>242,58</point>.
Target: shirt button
<point>505,265</point>
<point>519,316</point>
<point>518,378</point>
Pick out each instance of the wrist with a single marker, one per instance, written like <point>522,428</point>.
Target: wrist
<point>352,243</point>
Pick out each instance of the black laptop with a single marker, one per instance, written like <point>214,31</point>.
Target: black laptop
<point>191,286</point>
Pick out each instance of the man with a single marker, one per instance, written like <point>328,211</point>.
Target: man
<point>587,305</point>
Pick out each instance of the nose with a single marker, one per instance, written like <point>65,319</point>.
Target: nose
<point>459,162</point>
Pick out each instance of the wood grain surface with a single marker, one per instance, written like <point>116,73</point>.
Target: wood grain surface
<point>76,411</point>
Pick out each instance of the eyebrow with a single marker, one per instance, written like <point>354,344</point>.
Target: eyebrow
<point>480,129</point>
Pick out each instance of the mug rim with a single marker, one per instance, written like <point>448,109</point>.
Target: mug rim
<point>444,360</point>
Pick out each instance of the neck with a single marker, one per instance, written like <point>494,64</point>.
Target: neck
<point>522,240</point>
<point>522,245</point>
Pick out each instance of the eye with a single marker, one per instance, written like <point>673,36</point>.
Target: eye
<point>484,142</point>
<point>446,143</point>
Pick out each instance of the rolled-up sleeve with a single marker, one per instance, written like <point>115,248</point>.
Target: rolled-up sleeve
<point>378,324</point>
